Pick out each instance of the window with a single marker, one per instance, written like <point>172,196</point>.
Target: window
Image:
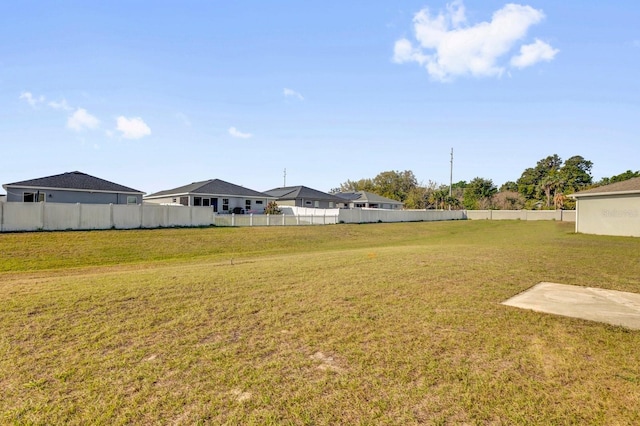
<point>308,203</point>
<point>247,205</point>
<point>359,204</point>
<point>259,202</point>
<point>205,202</point>
<point>225,204</point>
<point>184,201</point>
<point>330,204</point>
<point>197,201</point>
<point>132,199</point>
<point>33,197</point>
<point>316,204</point>
<point>174,200</point>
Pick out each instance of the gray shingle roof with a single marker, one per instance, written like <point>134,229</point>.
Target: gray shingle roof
<point>369,197</point>
<point>74,180</point>
<point>629,186</point>
<point>211,187</point>
<point>296,192</point>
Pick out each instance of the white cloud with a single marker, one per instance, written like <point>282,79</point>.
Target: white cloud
<point>63,105</point>
<point>132,128</point>
<point>448,47</point>
<point>81,119</point>
<point>31,100</point>
<point>238,134</point>
<point>292,93</point>
<point>533,53</point>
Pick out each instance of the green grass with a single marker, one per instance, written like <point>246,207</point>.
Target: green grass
<point>347,324</point>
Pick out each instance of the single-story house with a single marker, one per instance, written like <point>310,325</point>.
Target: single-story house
<point>71,187</point>
<point>609,210</point>
<point>364,199</point>
<point>302,196</point>
<point>223,197</point>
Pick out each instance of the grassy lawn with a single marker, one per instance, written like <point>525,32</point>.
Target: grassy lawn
<point>346,324</point>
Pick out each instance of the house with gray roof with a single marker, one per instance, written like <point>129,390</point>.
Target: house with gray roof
<point>609,210</point>
<point>302,196</point>
<point>364,199</point>
<point>71,187</point>
<point>221,196</point>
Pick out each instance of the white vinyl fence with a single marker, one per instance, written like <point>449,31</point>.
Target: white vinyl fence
<point>62,216</point>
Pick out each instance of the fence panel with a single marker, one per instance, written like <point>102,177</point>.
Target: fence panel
<point>23,217</point>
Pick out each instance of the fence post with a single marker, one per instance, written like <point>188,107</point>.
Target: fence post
<point>267,219</point>
<point>79,216</point>
<point>233,219</point>
<point>113,225</point>
<point>283,221</point>
<point>250,219</point>
<point>42,215</point>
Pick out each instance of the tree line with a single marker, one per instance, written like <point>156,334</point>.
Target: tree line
<point>544,186</point>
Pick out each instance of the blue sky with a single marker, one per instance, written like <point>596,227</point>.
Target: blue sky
<point>155,95</point>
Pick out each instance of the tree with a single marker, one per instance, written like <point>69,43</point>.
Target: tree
<point>391,184</point>
<point>509,186</point>
<point>619,178</point>
<point>272,208</point>
<point>575,174</point>
<point>417,198</point>
<point>529,184</point>
<point>395,185</point>
<point>508,200</point>
<point>360,185</point>
<point>478,193</point>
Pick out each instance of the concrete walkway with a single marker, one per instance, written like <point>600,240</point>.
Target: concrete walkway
<point>595,304</point>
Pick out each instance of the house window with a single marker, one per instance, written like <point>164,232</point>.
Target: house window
<point>359,204</point>
<point>132,199</point>
<point>174,200</point>
<point>259,202</point>
<point>205,202</point>
<point>316,204</point>
<point>184,201</point>
<point>197,201</point>
<point>225,204</point>
<point>33,197</point>
<point>330,204</point>
<point>247,205</point>
<point>308,203</point>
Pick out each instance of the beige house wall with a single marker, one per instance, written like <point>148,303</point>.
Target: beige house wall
<point>609,215</point>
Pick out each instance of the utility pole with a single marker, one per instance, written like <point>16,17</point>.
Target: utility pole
<point>285,177</point>
<point>451,174</point>
<point>451,180</point>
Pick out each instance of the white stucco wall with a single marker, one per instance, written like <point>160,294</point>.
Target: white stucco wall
<point>609,215</point>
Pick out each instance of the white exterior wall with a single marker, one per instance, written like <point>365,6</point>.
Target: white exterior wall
<point>609,215</point>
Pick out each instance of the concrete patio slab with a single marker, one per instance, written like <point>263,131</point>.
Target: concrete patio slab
<point>595,304</point>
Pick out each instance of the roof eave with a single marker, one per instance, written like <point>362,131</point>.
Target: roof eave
<point>601,194</point>
<point>52,188</point>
